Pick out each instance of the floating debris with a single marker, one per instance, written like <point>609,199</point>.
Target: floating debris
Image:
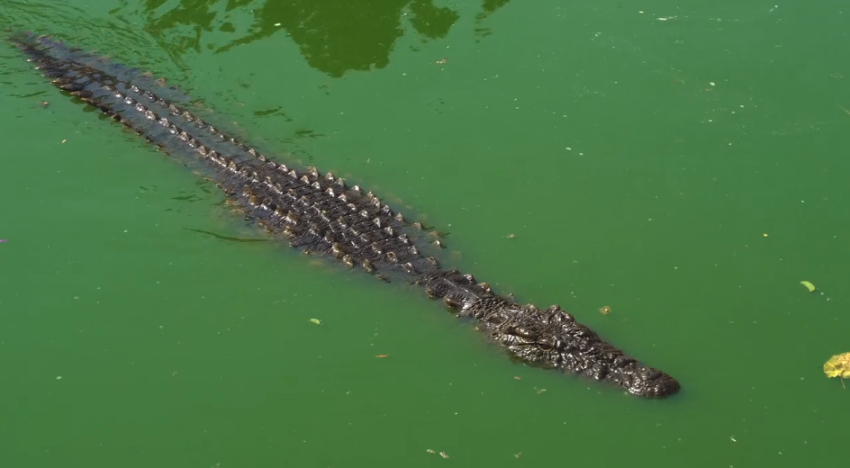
<point>444,454</point>
<point>4,240</point>
<point>227,238</point>
<point>431,451</point>
<point>838,366</point>
<point>316,321</point>
<point>811,287</point>
<point>382,355</point>
<point>604,310</point>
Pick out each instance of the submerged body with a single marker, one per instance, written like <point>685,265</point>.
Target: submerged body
<point>320,213</point>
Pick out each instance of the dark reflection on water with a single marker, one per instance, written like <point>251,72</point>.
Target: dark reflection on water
<point>335,36</point>
<point>160,36</point>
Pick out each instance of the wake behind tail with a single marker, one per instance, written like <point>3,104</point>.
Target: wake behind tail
<point>46,50</point>
<point>134,97</point>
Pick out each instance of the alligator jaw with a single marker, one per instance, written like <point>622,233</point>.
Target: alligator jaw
<point>550,338</point>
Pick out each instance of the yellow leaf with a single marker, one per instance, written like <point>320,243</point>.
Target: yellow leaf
<point>838,366</point>
<point>811,287</point>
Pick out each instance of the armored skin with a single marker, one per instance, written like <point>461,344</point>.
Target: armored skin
<point>321,214</point>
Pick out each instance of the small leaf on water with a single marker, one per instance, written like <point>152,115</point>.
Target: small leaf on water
<point>316,321</point>
<point>811,287</point>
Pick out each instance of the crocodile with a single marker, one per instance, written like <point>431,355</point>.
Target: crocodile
<point>322,214</point>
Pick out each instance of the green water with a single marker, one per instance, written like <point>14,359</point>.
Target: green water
<point>686,172</point>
